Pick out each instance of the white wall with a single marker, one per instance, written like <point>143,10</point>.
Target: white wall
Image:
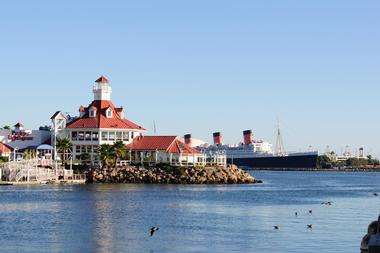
<point>38,138</point>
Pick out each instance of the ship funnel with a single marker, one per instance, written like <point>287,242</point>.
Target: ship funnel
<point>248,137</point>
<point>187,138</point>
<point>217,138</point>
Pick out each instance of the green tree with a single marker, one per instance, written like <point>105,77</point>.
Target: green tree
<point>356,162</point>
<point>107,154</point>
<point>28,155</point>
<point>3,159</point>
<point>324,162</point>
<point>63,146</point>
<point>7,127</point>
<point>85,158</point>
<point>119,151</point>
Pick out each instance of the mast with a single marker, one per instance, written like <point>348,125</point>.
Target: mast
<point>280,150</point>
<point>154,127</point>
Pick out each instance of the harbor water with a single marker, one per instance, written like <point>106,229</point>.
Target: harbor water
<point>233,218</point>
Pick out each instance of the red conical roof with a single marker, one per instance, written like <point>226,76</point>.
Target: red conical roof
<point>102,79</point>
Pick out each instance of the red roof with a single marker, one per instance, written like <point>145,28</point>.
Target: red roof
<point>102,79</point>
<point>4,149</point>
<point>82,109</point>
<point>100,120</point>
<point>169,144</point>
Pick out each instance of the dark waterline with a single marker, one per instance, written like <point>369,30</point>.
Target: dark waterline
<point>238,218</point>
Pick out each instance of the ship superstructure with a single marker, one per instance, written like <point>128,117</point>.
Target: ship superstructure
<point>254,153</point>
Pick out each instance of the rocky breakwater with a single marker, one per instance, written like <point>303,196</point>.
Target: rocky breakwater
<point>165,174</point>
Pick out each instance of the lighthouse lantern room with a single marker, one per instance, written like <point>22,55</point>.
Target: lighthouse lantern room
<point>102,89</point>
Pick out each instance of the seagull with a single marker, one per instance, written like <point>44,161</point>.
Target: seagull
<point>153,230</point>
<point>310,226</point>
<point>276,227</point>
<point>310,211</point>
<point>296,214</point>
<point>375,194</point>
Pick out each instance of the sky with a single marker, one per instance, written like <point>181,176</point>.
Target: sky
<point>201,66</point>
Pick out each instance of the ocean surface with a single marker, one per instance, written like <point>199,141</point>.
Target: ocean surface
<point>238,218</point>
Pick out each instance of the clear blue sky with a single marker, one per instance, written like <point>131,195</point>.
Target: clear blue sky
<point>201,66</point>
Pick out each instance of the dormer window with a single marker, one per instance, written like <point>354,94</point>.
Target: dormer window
<point>109,113</point>
<point>92,112</point>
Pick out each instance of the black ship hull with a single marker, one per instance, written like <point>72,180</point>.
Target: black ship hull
<point>296,161</point>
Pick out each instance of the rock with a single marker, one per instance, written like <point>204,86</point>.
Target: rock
<point>172,175</point>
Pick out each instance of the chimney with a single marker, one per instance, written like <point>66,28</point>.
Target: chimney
<point>217,138</point>
<point>248,137</point>
<point>187,138</point>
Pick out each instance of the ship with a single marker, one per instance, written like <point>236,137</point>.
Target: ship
<point>253,153</point>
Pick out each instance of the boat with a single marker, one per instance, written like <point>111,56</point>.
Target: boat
<point>253,153</point>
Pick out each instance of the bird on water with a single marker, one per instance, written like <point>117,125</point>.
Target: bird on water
<point>310,211</point>
<point>276,227</point>
<point>153,230</point>
<point>310,226</point>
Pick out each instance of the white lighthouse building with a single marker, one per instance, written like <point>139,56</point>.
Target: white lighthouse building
<point>98,123</point>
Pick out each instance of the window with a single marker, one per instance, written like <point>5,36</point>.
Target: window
<point>111,136</point>
<point>83,149</point>
<point>89,149</point>
<point>95,149</point>
<point>77,149</point>
<point>109,113</point>
<point>88,136</point>
<point>80,136</point>
<point>92,113</point>
<point>119,136</point>
<point>132,135</point>
<point>95,136</point>
<point>125,136</point>
<point>104,136</point>
<point>74,136</point>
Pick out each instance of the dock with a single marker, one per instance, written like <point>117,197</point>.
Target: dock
<point>37,172</point>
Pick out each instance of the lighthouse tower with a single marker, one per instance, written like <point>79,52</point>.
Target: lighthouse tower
<point>102,90</point>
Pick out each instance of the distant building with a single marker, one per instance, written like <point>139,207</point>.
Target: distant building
<point>21,139</point>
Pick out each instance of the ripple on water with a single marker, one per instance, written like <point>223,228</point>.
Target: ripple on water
<point>239,218</point>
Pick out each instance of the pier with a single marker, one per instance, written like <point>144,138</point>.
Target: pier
<point>37,171</point>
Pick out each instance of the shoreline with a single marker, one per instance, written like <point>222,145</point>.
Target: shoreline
<point>314,169</point>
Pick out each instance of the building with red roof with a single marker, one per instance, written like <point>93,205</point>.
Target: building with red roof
<point>5,150</point>
<point>101,122</point>
<point>164,149</point>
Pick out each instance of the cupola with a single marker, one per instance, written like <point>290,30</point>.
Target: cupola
<point>102,90</point>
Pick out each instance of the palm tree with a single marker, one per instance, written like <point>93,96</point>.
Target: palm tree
<point>63,145</point>
<point>106,154</point>
<point>119,151</point>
